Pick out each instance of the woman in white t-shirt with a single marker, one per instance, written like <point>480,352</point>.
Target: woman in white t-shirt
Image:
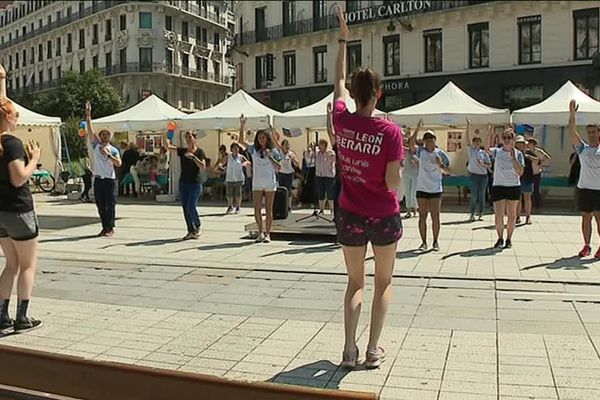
<point>234,165</point>
<point>433,163</point>
<point>509,165</point>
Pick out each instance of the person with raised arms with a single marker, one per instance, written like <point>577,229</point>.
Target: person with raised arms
<point>479,164</point>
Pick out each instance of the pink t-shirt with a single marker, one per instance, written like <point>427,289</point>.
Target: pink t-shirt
<point>365,146</point>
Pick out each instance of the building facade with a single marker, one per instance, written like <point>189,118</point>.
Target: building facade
<point>503,53</point>
<point>174,49</point>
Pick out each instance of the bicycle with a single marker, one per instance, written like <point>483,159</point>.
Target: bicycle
<point>43,180</point>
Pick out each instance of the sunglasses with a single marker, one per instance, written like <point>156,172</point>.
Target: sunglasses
<point>507,137</point>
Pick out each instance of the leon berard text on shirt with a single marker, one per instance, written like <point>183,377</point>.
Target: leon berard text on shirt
<point>361,143</point>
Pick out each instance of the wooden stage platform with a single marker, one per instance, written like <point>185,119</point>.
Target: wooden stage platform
<point>309,227</point>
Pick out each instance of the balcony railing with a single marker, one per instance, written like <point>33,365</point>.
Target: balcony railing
<point>327,22</point>
<point>197,10</point>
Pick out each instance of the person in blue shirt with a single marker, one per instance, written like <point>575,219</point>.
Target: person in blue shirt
<point>433,163</point>
<point>479,163</point>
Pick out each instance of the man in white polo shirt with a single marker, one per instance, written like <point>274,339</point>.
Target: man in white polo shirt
<point>105,158</point>
<point>588,186</point>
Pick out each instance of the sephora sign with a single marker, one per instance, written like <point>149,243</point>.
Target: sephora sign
<point>387,11</point>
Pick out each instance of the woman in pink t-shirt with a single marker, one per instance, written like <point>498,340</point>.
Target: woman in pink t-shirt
<point>370,154</point>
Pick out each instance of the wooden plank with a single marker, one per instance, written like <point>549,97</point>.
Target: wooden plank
<point>95,380</point>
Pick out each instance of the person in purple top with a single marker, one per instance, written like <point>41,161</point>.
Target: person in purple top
<point>370,156</point>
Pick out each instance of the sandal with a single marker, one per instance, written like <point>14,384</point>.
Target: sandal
<point>349,359</point>
<point>374,358</point>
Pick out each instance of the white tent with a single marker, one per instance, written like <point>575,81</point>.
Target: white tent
<point>313,115</point>
<point>449,106</point>
<point>151,113</point>
<point>555,109</point>
<point>226,114</point>
<point>31,118</point>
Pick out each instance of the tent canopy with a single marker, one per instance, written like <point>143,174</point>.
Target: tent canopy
<point>151,113</point>
<point>226,114</point>
<point>30,118</point>
<point>555,109</point>
<point>313,115</point>
<point>449,106</point>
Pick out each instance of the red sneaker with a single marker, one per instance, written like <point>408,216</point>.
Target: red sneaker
<point>597,255</point>
<point>586,251</point>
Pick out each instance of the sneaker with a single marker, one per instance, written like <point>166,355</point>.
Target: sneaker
<point>109,233</point>
<point>237,210</point>
<point>597,255</point>
<point>349,359</point>
<point>408,215</point>
<point>260,238</point>
<point>189,236</point>
<point>7,326</point>
<point>267,239</point>
<point>508,244</point>
<point>422,247</point>
<point>480,217</point>
<point>374,358</point>
<point>27,324</point>
<point>102,233</point>
<point>499,243</point>
<point>472,218</point>
<point>586,251</point>
<point>436,246</point>
<point>229,210</point>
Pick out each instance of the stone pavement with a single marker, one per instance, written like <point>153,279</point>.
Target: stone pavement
<point>273,312</point>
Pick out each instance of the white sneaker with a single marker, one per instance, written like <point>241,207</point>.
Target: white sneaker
<point>260,238</point>
<point>267,239</point>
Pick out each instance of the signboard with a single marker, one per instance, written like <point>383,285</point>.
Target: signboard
<point>396,9</point>
<point>454,141</point>
<point>395,85</point>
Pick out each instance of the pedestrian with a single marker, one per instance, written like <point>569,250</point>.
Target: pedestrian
<point>433,164</point>
<point>526,180</point>
<point>325,175</point>
<point>289,163</point>
<point>409,178</point>
<point>18,220</point>
<point>106,157</point>
<point>370,156</point>
<point>131,156</point>
<point>266,162</point>
<point>87,178</point>
<point>542,161</point>
<point>588,186</point>
<point>193,175</point>
<point>506,186</point>
<point>479,164</point>
<point>234,166</point>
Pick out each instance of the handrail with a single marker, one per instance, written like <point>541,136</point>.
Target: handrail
<point>79,378</point>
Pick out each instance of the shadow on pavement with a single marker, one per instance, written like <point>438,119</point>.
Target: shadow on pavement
<point>464,222</point>
<point>68,239</point>
<point>318,374</point>
<point>488,251</point>
<point>220,246</point>
<point>307,250</point>
<point>489,228</point>
<point>566,263</point>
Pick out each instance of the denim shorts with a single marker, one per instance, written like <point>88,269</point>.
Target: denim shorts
<point>356,230</point>
<point>526,187</point>
<point>19,226</point>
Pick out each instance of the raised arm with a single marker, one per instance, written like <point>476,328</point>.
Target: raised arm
<point>93,138</point>
<point>276,137</point>
<point>412,140</point>
<point>575,137</point>
<point>468,131</point>
<point>340,64</point>
<point>167,144</point>
<point>490,139</point>
<point>330,128</point>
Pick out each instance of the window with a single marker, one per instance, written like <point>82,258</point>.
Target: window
<point>516,97</point>
<point>24,58</point>
<point>204,64</point>
<point>289,68</point>
<point>145,20</point>
<point>69,43</point>
<point>10,62</point>
<point>354,54</point>
<point>199,64</point>
<point>185,63</point>
<point>95,34</point>
<point>530,39</point>
<point>585,33</point>
<point>479,45</point>
<point>168,22</point>
<point>108,30</point>
<point>69,11</point>
<point>261,72</point>
<point>217,70</point>
<point>217,41</point>
<point>58,72</point>
<point>289,18</point>
<point>198,35</point>
<point>108,63</point>
<point>391,55</point>
<point>169,60</point>
<point>95,62</point>
<point>17,60</point>
<point>82,65</point>
<point>49,74</point>
<point>319,15</point>
<point>320,57</point>
<point>260,25</point>
<point>185,35</point>
<point>40,52</point>
<point>32,55</point>
<point>145,59</point>
<point>352,5</point>
<point>41,77</point>
<point>433,50</point>
<point>24,31</point>
<point>81,5</point>
<point>49,49</point>
<point>81,38</point>
<point>204,37</point>
<point>58,15</point>
<point>123,60</point>
<point>58,46</point>
<point>122,22</point>
<point>40,23</point>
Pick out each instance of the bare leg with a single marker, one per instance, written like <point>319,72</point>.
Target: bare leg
<point>519,207</point>
<point>257,197</point>
<point>27,251</point>
<point>355,267</point>
<point>586,227</point>
<point>597,217</point>
<point>423,211</point>
<point>511,212</point>
<point>528,204</point>
<point>9,274</point>
<point>322,206</point>
<point>435,206</point>
<point>269,198</point>
<point>499,207</point>
<point>230,201</point>
<point>385,257</point>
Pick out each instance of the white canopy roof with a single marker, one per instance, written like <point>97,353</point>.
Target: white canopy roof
<point>313,115</point>
<point>226,114</point>
<point>449,106</point>
<point>30,118</point>
<point>151,113</point>
<point>555,109</point>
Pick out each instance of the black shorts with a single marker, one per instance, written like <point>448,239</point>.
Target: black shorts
<point>510,193</point>
<point>588,200</point>
<point>286,180</point>
<point>19,226</point>
<point>325,188</point>
<point>356,230</point>
<point>427,195</point>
